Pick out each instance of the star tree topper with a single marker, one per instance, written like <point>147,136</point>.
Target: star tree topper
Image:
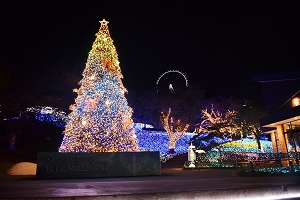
<point>104,22</point>
<point>104,26</point>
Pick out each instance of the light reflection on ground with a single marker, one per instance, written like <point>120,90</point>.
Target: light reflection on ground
<point>292,192</point>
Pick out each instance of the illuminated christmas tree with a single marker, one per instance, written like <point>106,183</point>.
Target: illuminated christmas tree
<point>100,120</point>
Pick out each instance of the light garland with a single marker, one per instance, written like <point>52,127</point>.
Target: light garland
<point>296,101</point>
<point>214,121</point>
<point>100,120</point>
<point>159,141</point>
<point>46,114</point>
<point>174,128</point>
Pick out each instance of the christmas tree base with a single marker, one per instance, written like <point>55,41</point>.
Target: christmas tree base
<point>54,165</point>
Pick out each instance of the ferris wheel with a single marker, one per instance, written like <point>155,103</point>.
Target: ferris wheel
<point>170,85</point>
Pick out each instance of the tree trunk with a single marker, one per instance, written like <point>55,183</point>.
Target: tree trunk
<point>171,151</point>
<point>258,143</point>
<point>172,147</point>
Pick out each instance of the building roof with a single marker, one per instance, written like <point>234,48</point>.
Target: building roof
<point>282,76</point>
<point>281,117</point>
<point>279,89</point>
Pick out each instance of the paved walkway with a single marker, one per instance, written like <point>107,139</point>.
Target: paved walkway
<point>173,183</point>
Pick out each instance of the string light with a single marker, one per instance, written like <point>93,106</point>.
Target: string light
<point>46,114</point>
<point>174,128</point>
<point>296,101</point>
<point>100,120</point>
<point>225,124</point>
<point>92,77</point>
<point>84,122</point>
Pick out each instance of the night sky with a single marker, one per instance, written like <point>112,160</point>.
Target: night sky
<point>217,45</point>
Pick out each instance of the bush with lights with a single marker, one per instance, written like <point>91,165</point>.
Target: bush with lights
<point>45,114</point>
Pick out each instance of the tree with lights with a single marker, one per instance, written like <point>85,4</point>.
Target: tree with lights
<point>175,128</point>
<point>221,125</point>
<point>249,124</point>
<point>100,119</point>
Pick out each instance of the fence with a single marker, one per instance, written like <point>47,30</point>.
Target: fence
<point>244,160</point>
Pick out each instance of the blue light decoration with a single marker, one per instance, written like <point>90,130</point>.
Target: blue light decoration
<point>265,137</point>
<point>244,148</point>
<point>207,141</point>
<point>159,141</point>
<point>45,114</point>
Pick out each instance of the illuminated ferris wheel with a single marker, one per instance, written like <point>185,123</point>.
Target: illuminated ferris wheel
<point>173,81</point>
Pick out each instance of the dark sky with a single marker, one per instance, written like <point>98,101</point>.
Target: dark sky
<point>216,44</point>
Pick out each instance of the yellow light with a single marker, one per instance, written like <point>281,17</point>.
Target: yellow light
<point>72,107</point>
<point>296,101</point>
<point>84,122</point>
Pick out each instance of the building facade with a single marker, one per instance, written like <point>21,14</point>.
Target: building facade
<point>282,100</point>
